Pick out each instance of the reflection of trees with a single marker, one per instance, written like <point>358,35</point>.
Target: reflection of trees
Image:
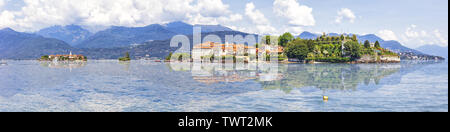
<point>330,76</point>
<point>346,77</point>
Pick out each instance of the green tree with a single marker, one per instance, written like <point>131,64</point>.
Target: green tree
<point>267,38</point>
<point>377,44</point>
<point>127,55</point>
<point>354,38</point>
<point>45,57</point>
<point>169,56</point>
<point>366,44</point>
<point>353,49</point>
<point>297,49</point>
<point>285,39</point>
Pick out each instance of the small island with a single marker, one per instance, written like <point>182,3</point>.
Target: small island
<point>69,57</point>
<point>126,57</point>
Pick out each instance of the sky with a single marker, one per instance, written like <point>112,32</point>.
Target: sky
<point>412,22</point>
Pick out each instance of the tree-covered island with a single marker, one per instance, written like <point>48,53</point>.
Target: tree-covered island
<point>287,48</point>
<point>336,49</point>
<point>126,57</point>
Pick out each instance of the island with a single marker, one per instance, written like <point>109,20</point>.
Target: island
<point>288,49</point>
<point>126,57</point>
<point>69,57</point>
<point>337,49</point>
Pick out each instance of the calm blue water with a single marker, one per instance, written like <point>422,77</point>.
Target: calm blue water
<point>150,86</point>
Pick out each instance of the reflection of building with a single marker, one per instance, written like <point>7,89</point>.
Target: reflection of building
<point>267,77</point>
<point>218,79</point>
<point>69,65</point>
<point>218,72</point>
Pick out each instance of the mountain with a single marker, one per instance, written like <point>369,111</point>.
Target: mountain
<point>126,36</point>
<point>187,29</point>
<point>398,48</point>
<point>371,37</point>
<point>308,35</point>
<point>71,34</point>
<point>434,50</point>
<point>213,28</point>
<point>157,48</point>
<point>179,27</point>
<point>16,45</point>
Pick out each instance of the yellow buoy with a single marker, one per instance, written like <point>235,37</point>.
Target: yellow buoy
<point>325,98</point>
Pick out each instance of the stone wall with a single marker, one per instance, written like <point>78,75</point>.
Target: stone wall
<point>390,59</point>
<point>378,59</point>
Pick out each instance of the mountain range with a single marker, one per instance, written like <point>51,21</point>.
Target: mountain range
<point>71,34</point>
<point>119,36</point>
<point>17,45</point>
<point>434,50</point>
<point>113,42</point>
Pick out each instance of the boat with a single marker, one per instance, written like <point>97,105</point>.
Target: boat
<point>3,63</point>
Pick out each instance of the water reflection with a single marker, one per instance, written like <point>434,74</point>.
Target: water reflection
<point>325,77</point>
<point>343,77</point>
<point>151,86</point>
<point>69,65</point>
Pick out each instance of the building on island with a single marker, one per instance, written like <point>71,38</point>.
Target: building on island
<point>69,57</point>
<point>237,50</point>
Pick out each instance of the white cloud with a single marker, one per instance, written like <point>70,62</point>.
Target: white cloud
<point>298,15</point>
<point>411,33</point>
<point>6,18</point>
<point>262,23</point>
<point>345,13</point>
<point>255,15</point>
<point>387,35</point>
<point>37,14</point>
<point>414,37</point>
<point>1,4</point>
<point>441,40</point>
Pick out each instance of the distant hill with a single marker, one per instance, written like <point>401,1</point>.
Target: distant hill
<point>157,48</point>
<point>71,34</point>
<point>17,45</point>
<point>126,36</point>
<point>308,35</point>
<point>434,50</point>
<point>213,28</point>
<point>179,27</point>
<point>371,37</point>
<point>398,48</point>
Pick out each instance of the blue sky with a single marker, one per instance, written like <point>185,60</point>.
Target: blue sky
<point>412,22</point>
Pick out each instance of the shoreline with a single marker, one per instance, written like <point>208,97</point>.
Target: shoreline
<point>281,62</point>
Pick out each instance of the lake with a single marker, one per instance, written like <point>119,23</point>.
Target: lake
<point>144,86</point>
